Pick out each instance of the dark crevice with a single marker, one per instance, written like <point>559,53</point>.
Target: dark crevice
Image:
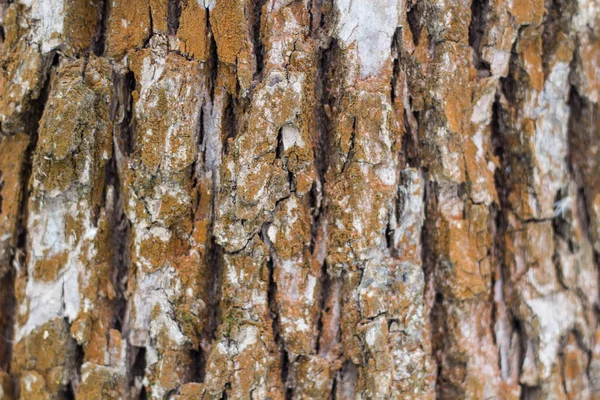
<point>438,312</point>
<point>389,233</point>
<point>99,42</point>
<point>78,357</point>
<point>323,128</point>
<point>257,45</point>
<point>324,292</point>
<point>229,125</point>
<point>199,162</point>
<point>325,98</point>
<point>285,368</point>
<point>327,86</point>
<point>279,148</point>
<point>121,237</point>
<point>8,301</point>
<point>122,111</point>
<point>509,85</point>
<point>479,9</point>
<point>557,27</point>
<point>8,305</point>
<point>67,393</point>
<point>1,187</point>
<point>171,394</point>
<point>201,132</point>
<point>143,394</point>
<point>214,264</point>
<point>333,392</point>
<point>213,60</point>
<point>395,51</point>
<point>315,200</point>
<point>411,152</point>
<point>583,118</point>
<point>174,12</point>
<point>530,393</point>
<point>123,140</point>
<point>427,241</point>
<point>447,366</point>
<point>197,366</point>
<point>500,145</point>
<point>137,368</point>
<point>151,29</point>
<point>274,309</point>
<point>413,17</point>
<point>577,120</point>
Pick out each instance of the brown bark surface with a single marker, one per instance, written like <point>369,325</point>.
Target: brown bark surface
<point>299,199</point>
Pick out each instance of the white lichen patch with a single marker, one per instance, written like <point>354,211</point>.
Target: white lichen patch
<point>370,25</point>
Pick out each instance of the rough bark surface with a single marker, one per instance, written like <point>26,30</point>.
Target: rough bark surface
<point>299,199</point>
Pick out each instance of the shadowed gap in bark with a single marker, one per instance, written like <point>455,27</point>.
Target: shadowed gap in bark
<point>325,291</point>
<point>274,310</point>
<point>411,151</point>
<point>137,369</point>
<point>8,301</point>
<point>201,132</point>
<point>395,51</point>
<point>99,41</point>
<point>122,112</point>
<point>324,92</point>
<point>213,59</point>
<point>67,393</point>
<point>143,394</point>
<point>230,126</point>
<point>121,238</point>
<point>557,24</point>
<point>583,116</point>
<point>477,27</point>
<point>326,87</point>
<point>256,34</point>
<point>8,305</point>
<point>197,366</point>
<point>174,12</point>
<point>413,17</point>
<point>500,144</point>
<point>499,225</point>
<point>279,147</point>
<point>1,187</point>
<point>214,263</point>
<point>78,355</point>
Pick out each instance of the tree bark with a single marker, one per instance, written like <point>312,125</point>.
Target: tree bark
<point>299,199</point>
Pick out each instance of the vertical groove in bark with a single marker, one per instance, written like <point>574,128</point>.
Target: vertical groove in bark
<point>99,43</point>
<point>214,287</point>
<point>479,9</point>
<point>174,13</point>
<point>257,45</point>
<point>18,253</point>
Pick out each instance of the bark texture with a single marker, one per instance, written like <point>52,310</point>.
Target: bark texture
<point>299,199</point>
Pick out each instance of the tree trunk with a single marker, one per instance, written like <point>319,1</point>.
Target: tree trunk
<point>299,199</point>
